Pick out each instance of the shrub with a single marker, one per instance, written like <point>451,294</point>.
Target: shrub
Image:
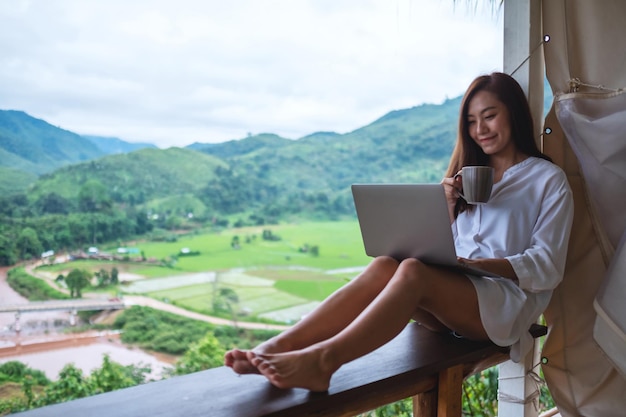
<point>16,371</point>
<point>32,288</point>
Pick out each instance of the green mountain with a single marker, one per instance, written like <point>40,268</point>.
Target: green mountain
<point>134,177</point>
<point>234,148</point>
<point>35,146</point>
<point>14,180</point>
<point>111,145</point>
<point>273,178</point>
<point>265,175</point>
<point>411,145</point>
<point>30,147</point>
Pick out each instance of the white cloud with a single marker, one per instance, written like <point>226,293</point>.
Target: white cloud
<point>173,73</point>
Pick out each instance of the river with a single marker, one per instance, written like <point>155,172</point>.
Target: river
<point>42,344</point>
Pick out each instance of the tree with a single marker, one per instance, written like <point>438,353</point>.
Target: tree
<point>16,205</point>
<point>7,250</point>
<point>112,376</point>
<point>28,244</point>
<point>79,228</point>
<point>224,300</point>
<point>94,197</point>
<point>103,277</point>
<point>114,276</point>
<point>173,222</point>
<point>204,354</point>
<point>76,280</point>
<point>70,386</point>
<point>16,371</point>
<point>142,225</point>
<point>89,195</point>
<point>53,203</point>
<point>269,235</point>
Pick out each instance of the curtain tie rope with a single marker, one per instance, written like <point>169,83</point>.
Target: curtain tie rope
<point>533,397</point>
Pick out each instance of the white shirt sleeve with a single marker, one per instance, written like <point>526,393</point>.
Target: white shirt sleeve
<point>541,266</point>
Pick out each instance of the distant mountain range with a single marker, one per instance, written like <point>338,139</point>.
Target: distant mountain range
<point>111,145</point>
<point>33,145</point>
<point>402,145</point>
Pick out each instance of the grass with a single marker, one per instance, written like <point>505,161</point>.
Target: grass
<point>339,243</point>
<point>277,274</point>
<point>310,290</point>
<point>151,271</point>
<point>274,279</point>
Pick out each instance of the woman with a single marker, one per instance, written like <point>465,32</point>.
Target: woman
<point>520,234</point>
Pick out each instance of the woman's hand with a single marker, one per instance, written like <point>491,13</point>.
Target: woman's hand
<point>452,186</point>
<point>498,266</point>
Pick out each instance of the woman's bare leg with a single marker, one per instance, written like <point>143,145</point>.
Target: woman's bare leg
<point>447,296</point>
<point>328,319</point>
<point>427,320</point>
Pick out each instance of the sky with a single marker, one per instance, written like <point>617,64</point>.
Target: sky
<point>173,73</point>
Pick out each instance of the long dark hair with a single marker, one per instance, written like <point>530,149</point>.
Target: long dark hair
<point>510,93</point>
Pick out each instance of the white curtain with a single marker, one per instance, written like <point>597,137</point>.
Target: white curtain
<point>585,133</point>
<point>595,126</point>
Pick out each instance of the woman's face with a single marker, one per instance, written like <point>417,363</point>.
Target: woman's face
<point>489,124</point>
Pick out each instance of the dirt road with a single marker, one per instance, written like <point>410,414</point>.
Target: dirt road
<point>150,302</point>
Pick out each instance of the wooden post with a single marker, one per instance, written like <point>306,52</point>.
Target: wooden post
<point>425,404</point>
<point>450,392</point>
<point>523,59</point>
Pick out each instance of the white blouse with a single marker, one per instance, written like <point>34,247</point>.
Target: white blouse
<point>526,221</point>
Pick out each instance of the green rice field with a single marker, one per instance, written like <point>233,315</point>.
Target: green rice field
<point>339,245</point>
<point>272,279</point>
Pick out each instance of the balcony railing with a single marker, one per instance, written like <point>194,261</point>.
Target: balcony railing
<point>426,366</point>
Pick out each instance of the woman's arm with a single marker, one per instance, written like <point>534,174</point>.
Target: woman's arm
<point>541,266</point>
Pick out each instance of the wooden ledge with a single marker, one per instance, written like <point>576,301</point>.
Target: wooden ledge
<point>417,361</point>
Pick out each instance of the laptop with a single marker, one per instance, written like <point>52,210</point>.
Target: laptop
<point>408,221</point>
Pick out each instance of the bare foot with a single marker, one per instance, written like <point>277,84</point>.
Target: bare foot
<point>239,361</point>
<point>308,368</point>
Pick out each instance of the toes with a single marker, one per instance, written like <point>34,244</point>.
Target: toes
<point>233,356</point>
<point>262,364</point>
<point>256,361</point>
<point>251,356</point>
<point>238,354</point>
<point>238,360</point>
<point>244,367</point>
<point>229,360</point>
<point>265,367</point>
